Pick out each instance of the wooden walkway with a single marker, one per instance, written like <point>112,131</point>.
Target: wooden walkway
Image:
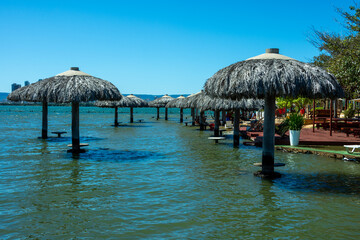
<point>307,137</point>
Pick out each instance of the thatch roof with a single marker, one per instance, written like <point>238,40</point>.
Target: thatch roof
<point>69,86</point>
<point>206,102</point>
<point>128,101</point>
<point>161,102</point>
<point>272,74</point>
<point>176,103</point>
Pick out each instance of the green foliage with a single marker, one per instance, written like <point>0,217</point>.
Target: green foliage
<point>284,102</point>
<point>296,121</point>
<point>340,54</point>
<point>350,112</point>
<point>282,128</point>
<point>301,103</point>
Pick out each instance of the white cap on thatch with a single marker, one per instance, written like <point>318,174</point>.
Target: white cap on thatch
<point>74,71</point>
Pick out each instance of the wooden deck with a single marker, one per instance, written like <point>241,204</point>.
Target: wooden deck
<point>307,137</point>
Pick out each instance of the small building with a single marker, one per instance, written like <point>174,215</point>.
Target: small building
<point>15,86</point>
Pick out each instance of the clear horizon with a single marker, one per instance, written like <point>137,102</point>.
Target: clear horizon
<point>157,47</point>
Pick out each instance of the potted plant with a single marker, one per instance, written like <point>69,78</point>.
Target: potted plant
<point>296,122</point>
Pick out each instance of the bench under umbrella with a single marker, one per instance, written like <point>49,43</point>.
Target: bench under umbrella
<point>159,103</point>
<point>72,86</point>
<point>268,76</point>
<point>130,101</point>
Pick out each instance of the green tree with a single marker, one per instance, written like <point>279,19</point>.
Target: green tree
<point>340,54</point>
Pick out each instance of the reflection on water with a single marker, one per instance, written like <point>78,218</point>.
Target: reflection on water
<point>160,179</point>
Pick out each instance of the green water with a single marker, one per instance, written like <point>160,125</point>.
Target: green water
<point>161,180</point>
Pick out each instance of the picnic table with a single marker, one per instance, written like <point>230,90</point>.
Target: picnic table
<point>59,133</point>
<point>216,139</point>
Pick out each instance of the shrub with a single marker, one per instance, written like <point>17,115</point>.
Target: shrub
<point>296,121</point>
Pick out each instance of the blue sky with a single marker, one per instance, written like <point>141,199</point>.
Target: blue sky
<point>153,47</point>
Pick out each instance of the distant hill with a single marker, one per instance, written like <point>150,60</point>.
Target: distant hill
<point>3,96</point>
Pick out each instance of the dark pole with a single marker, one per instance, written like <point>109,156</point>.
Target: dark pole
<point>181,115</point>
<point>116,123</point>
<point>236,128</point>
<point>131,115</point>
<point>217,123</point>
<point>44,129</point>
<point>268,144</point>
<point>223,117</point>
<point>158,113</point>
<point>75,128</point>
<point>202,120</point>
<point>193,116</point>
<point>314,115</point>
<point>331,115</point>
<point>166,113</point>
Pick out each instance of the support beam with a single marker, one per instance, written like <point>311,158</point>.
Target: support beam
<point>193,116</point>
<point>314,115</point>
<point>331,115</point>
<point>236,128</point>
<point>158,113</point>
<point>116,123</point>
<point>181,115</point>
<point>223,117</point>
<point>44,130</point>
<point>268,144</point>
<point>201,118</point>
<point>217,123</point>
<point>75,125</point>
<point>166,113</point>
<point>131,115</point>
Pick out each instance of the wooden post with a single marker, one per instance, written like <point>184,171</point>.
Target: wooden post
<point>193,116</point>
<point>236,128</point>
<point>181,115</point>
<point>217,123</point>
<point>331,115</point>
<point>131,115</point>
<point>75,127</point>
<point>201,119</point>
<point>166,113</point>
<point>44,130</point>
<point>223,117</point>
<point>158,113</point>
<point>268,144</point>
<point>314,115</point>
<point>116,123</point>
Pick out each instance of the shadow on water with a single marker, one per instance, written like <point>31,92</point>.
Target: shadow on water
<point>68,139</point>
<point>105,155</point>
<point>326,183</point>
<point>130,126</point>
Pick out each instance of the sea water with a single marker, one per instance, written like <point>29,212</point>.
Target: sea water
<point>161,180</point>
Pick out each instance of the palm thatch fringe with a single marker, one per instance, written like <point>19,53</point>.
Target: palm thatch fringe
<point>128,101</point>
<point>65,89</point>
<point>205,102</point>
<point>256,78</point>
<point>161,102</point>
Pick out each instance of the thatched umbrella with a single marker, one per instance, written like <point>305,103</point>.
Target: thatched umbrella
<point>129,101</point>
<point>71,86</point>
<point>19,95</point>
<point>219,104</point>
<point>177,103</point>
<point>268,76</point>
<point>161,102</point>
